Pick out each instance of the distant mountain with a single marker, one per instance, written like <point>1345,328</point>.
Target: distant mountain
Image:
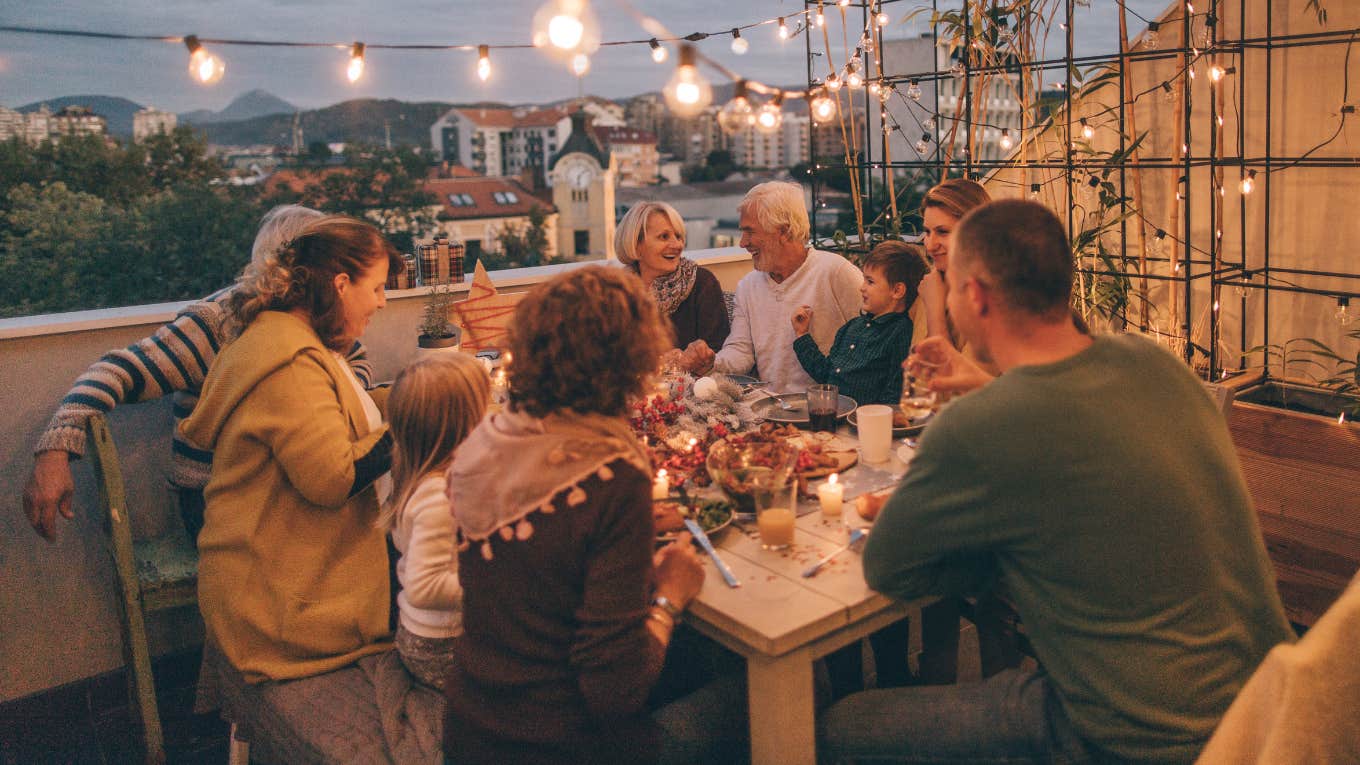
<point>249,105</point>
<point>364,120</point>
<point>118,111</point>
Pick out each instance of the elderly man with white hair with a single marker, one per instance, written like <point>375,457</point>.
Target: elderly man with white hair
<point>789,274</point>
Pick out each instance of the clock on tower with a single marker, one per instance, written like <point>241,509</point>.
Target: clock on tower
<point>582,175</point>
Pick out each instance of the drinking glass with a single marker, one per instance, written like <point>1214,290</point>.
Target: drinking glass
<point>918,400</point>
<point>776,511</point>
<point>823,402</point>
<point>875,431</point>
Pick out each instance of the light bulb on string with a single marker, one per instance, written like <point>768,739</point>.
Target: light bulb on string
<point>1343,313</point>
<point>1087,131</point>
<point>1034,189</point>
<point>1216,73</point>
<point>1006,141</point>
<point>203,66</point>
<point>1155,246</point>
<point>853,79</point>
<point>580,64</point>
<point>687,93</point>
<point>823,108</point>
<point>355,70</point>
<point>833,82</point>
<point>914,90</point>
<point>566,28</point>
<point>875,87</point>
<point>1168,92</point>
<point>882,19</point>
<point>866,42</point>
<point>770,116</point>
<point>659,54</point>
<point>820,19</point>
<point>1249,183</point>
<point>1003,30</point>
<point>956,70</point>
<point>483,62</point>
<point>739,44</point>
<point>783,30</point>
<point>885,92</point>
<point>923,145</point>
<point>842,3</point>
<point>930,124</point>
<point>1150,38</point>
<point>737,114</point>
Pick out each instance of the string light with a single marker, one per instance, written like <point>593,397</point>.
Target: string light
<point>1006,142</point>
<point>1216,73</point>
<point>355,70</point>
<point>1150,39</point>
<point>566,27</point>
<point>770,116</point>
<point>580,64</point>
<point>833,82</point>
<point>737,114</point>
<point>1087,131</point>
<point>853,79</point>
<point>783,31</point>
<point>874,87</point>
<point>1034,189</point>
<point>823,108</point>
<point>820,18</point>
<point>923,145</point>
<point>739,44</point>
<point>1343,305</point>
<point>1249,182</point>
<point>914,90</point>
<point>687,93</point>
<point>659,54</point>
<point>930,124</point>
<point>203,66</point>
<point>483,62</point>
<point>882,19</point>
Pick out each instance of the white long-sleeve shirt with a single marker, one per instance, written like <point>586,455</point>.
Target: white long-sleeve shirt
<point>431,597</point>
<point>762,328</point>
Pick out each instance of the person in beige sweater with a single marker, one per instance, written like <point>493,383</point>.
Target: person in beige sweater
<point>292,577</point>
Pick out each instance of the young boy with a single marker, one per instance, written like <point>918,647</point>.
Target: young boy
<point>866,358</point>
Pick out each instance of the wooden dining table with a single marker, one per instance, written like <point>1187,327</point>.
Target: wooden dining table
<point>782,622</point>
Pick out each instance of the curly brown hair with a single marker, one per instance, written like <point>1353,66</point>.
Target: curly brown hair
<point>586,341</point>
<point>303,275</point>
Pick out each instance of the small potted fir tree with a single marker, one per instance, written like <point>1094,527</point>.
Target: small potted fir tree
<point>437,335</point>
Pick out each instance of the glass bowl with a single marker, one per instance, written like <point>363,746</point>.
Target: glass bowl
<point>742,469</point>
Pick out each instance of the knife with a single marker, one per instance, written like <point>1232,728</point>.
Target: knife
<point>855,536</point>
<point>698,532</point>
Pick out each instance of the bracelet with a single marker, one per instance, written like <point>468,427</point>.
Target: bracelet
<point>665,604</point>
<point>661,617</point>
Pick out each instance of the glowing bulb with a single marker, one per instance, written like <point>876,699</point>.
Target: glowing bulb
<point>659,54</point>
<point>914,90</point>
<point>1216,73</point>
<point>739,44</point>
<point>783,29</point>
<point>737,114</point>
<point>688,92</point>
<point>1006,142</point>
<point>930,124</point>
<point>842,3</point>
<point>874,88</point>
<point>1249,182</point>
<point>483,62</point>
<point>355,70</point>
<point>823,109</point>
<point>1343,313</point>
<point>1087,131</point>
<point>203,66</point>
<point>1034,190</point>
<point>566,28</point>
<point>770,116</point>
<point>881,19</point>
<point>854,80</point>
<point>1150,39</point>
<point>565,32</point>
<point>833,82</point>
<point>820,18</point>
<point>580,64</point>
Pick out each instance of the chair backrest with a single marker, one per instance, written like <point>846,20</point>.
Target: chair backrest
<point>108,476</point>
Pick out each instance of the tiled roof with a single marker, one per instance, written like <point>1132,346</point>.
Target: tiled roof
<point>479,197</point>
<point>298,179</point>
<point>612,135</point>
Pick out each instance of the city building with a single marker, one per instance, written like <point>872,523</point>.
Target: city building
<point>474,211</point>
<point>781,149</point>
<point>76,120</point>
<point>634,151</point>
<point>148,122</point>
<point>499,140</point>
<point>41,124</point>
<point>583,177</point>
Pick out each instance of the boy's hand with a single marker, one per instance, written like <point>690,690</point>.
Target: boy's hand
<point>802,320</point>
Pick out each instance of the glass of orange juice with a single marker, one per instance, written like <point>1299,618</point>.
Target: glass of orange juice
<point>776,510</point>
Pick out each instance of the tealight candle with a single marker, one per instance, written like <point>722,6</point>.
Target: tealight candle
<point>830,495</point>
<point>661,487</point>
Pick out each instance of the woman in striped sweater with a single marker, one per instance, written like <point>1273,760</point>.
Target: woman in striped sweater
<point>173,360</point>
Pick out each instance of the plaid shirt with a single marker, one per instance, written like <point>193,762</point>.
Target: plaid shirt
<point>866,358</point>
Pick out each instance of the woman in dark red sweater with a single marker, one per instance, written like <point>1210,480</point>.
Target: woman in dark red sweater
<point>567,612</point>
<point>649,241</point>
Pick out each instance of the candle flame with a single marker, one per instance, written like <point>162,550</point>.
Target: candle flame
<point>661,473</point>
<point>834,478</point>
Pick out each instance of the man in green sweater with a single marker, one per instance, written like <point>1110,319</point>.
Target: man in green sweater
<point>1095,478</point>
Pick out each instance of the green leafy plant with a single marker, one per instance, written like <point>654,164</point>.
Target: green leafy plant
<point>434,322</point>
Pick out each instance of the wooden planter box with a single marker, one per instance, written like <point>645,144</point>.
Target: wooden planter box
<point>1304,473</point>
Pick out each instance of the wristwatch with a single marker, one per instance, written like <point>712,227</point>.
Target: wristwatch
<point>665,604</point>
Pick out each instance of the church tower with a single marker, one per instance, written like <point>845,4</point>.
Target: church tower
<point>583,176</point>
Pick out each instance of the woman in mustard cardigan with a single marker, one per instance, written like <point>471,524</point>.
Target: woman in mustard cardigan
<point>292,577</point>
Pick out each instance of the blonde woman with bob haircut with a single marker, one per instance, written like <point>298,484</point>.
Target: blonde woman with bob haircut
<point>435,403</point>
<point>650,241</point>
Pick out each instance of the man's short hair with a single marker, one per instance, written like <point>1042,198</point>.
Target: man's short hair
<point>779,206</point>
<point>900,263</point>
<point>1022,247</point>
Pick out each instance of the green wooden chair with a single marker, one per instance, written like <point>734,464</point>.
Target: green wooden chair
<point>153,575</point>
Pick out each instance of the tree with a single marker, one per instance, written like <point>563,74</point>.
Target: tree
<point>318,153</point>
<point>522,245</point>
<point>718,165</point>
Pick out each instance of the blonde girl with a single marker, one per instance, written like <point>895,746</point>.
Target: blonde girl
<point>435,403</point>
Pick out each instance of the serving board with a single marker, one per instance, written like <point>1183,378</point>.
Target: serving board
<point>844,461</point>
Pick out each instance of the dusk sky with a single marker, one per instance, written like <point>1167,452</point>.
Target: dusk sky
<point>36,67</point>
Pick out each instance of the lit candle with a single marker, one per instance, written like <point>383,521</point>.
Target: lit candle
<point>661,487</point>
<point>830,495</point>
<point>693,442</point>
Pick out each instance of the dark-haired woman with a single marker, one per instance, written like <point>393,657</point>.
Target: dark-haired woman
<point>292,577</point>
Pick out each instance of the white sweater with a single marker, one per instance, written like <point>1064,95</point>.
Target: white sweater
<point>762,328</point>
<point>431,598</point>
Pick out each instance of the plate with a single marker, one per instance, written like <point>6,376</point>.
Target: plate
<point>714,516</point>
<point>744,381</point>
<point>769,409</point>
<point>911,430</point>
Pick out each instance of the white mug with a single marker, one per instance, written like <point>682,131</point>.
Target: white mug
<point>875,431</point>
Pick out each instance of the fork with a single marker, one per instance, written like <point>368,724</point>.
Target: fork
<point>786,406</point>
<point>855,536</point>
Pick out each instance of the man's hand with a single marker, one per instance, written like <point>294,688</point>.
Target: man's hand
<point>48,492</point>
<point>802,320</point>
<point>947,371</point>
<point>697,358</point>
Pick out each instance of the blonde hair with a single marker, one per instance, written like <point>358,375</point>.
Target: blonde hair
<point>956,197</point>
<point>278,227</point>
<point>633,228</point>
<point>435,403</point>
<point>778,206</point>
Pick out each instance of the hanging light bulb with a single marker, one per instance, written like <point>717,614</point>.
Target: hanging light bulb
<point>914,90</point>
<point>659,53</point>
<point>853,79</point>
<point>866,42</point>
<point>1343,313</point>
<point>203,66</point>
<point>884,93</point>
<point>688,92</point>
<point>1034,189</point>
<point>1006,142</point>
<point>1155,246</point>
<point>923,145</point>
<point>875,87</point>
<point>930,124</point>
<point>580,64</point>
<point>1216,73</point>
<point>1003,30</point>
<point>1087,131</point>
<point>820,18</point>
<point>737,114</point>
<point>355,70</point>
<point>1249,182</point>
<point>739,44</point>
<point>770,116</point>
<point>882,19</point>
<point>957,69</point>
<point>783,30</point>
<point>1150,39</point>
<point>823,108</point>
<point>483,62</point>
<point>566,28</point>
<point>1168,92</point>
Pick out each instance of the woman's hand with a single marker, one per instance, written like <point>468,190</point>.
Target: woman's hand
<point>947,371</point>
<point>48,492</point>
<point>679,574</point>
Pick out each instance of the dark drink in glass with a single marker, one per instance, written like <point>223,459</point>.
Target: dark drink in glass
<point>822,401</point>
<point>822,420</point>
